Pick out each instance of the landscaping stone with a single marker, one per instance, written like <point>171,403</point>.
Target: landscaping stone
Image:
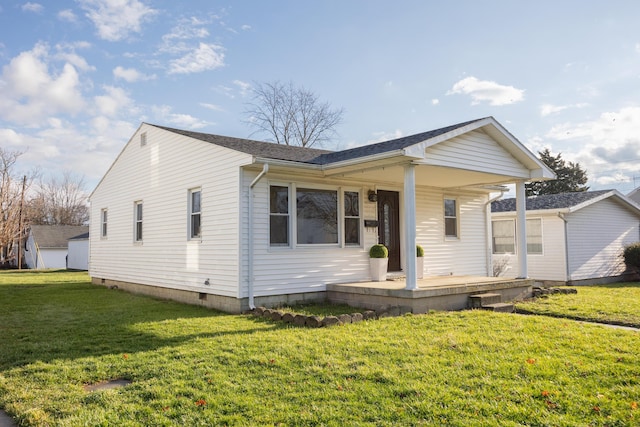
<point>288,317</point>
<point>404,309</point>
<point>267,313</point>
<point>313,321</point>
<point>394,311</point>
<point>331,321</point>
<point>356,317</point>
<point>345,318</point>
<point>300,320</point>
<point>369,315</point>
<point>276,315</point>
<point>258,311</point>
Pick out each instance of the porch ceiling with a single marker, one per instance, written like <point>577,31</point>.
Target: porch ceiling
<point>432,176</point>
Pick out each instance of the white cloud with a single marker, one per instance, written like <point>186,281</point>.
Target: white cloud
<point>30,93</point>
<point>548,109</point>
<point>186,29</point>
<point>164,114</point>
<point>245,27</point>
<point>32,7</point>
<point>212,107</point>
<point>116,19</point>
<point>435,101</point>
<point>243,87</point>
<point>67,15</point>
<point>489,91</point>
<point>131,74</point>
<point>607,146</point>
<point>385,136</point>
<point>203,58</point>
<point>114,101</point>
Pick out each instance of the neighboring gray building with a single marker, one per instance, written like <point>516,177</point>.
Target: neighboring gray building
<point>47,245</point>
<point>78,255</point>
<point>574,238</point>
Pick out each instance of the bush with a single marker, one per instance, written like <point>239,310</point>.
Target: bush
<point>419,251</point>
<point>632,255</point>
<point>378,251</point>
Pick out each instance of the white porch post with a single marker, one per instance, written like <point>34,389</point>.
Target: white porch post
<point>410,226</point>
<point>521,229</point>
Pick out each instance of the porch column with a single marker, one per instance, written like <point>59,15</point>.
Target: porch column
<point>521,229</point>
<point>410,226</point>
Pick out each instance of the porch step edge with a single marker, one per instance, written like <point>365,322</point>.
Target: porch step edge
<point>481,300</point>
<point>501,307</point>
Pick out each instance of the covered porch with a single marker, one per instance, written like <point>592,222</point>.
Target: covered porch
<point>431,293</point>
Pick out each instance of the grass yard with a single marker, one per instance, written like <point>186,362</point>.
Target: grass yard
<point>195,367</point>
<point>617,303</point>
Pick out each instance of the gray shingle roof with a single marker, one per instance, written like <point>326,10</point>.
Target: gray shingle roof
<point>310,155</point>
<point>56,236</point>
<point>548,201</point>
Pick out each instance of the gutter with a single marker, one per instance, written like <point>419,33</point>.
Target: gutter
<point>265,169</point>
<point>487,230</point>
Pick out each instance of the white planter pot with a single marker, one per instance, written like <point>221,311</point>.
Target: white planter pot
<point>420,267</point>
<point>378,269</point>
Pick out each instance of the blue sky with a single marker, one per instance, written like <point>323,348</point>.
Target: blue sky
<point>77,77</point>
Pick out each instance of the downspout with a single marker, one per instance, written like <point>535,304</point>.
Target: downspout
<point>487,231</point>
<point>265,169</point>
<point>566,248</point>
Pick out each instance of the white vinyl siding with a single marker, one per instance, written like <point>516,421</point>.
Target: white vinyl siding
<point>597,235</point>
<point>172,163</point>
<point>475,151</point>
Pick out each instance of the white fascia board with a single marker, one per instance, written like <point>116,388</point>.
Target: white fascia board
<point>616,195</point>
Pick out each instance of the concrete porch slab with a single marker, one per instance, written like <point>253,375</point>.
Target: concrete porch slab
<point>433,293</point>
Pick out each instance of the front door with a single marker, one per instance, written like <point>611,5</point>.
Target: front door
<point>389,225</point>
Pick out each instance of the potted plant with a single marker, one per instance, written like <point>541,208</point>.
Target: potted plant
<point>378,262</point>
<point>419,262</point>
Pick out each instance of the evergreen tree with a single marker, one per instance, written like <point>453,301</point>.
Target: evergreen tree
<point>570,176</point>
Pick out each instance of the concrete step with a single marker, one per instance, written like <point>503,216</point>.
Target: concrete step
<point>502,307</point>
<point>480,300</point>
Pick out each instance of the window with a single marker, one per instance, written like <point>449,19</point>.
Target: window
<point>534,236</point>
<point>316,216</point>
<point>278,215</point>
<point>351,218</point>
<point>138,222</point>
<point>143,139</point>
<point>194,213</point>
<point>103,223</point>
<point>503,236</point>
<point>450,218</point>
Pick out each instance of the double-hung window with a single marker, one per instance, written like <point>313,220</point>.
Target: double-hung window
<point>279,215</point>
<point>195,213</point>
<point>351,218</point>
<point>137,231</point>
<point>534,236</point>
<point>503,236</point>
<point>103,223</point>
<point>450,218</point>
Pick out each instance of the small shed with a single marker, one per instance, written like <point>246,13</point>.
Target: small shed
<point>47,245</point>
<point>572,238</point>
<point>78,255</point>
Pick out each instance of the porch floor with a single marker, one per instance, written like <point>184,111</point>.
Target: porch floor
<point>433,293</point>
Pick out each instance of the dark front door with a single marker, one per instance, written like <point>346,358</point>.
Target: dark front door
<point>389,225</point>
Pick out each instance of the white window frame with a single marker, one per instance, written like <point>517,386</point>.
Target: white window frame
<point>103,223</point>
<point>138,231</point>
<point>193,214</point>
<point>293,217</point>
<point>456,217</point>
<point>513,228</point>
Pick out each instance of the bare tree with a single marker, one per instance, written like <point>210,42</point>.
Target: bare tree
<point>12,189</point>
<point>291,115</point>
<point>60,201</point>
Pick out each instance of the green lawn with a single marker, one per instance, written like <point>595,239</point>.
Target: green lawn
<point>195,367</point>
<point>617,303</point>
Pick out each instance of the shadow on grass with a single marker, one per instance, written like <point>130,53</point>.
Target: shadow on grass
<point>70,320</point>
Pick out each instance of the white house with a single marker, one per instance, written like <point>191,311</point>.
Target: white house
<point>573,238</point>
<point>78,253</point>
<point>230,223</point>
<point>47,245</point>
